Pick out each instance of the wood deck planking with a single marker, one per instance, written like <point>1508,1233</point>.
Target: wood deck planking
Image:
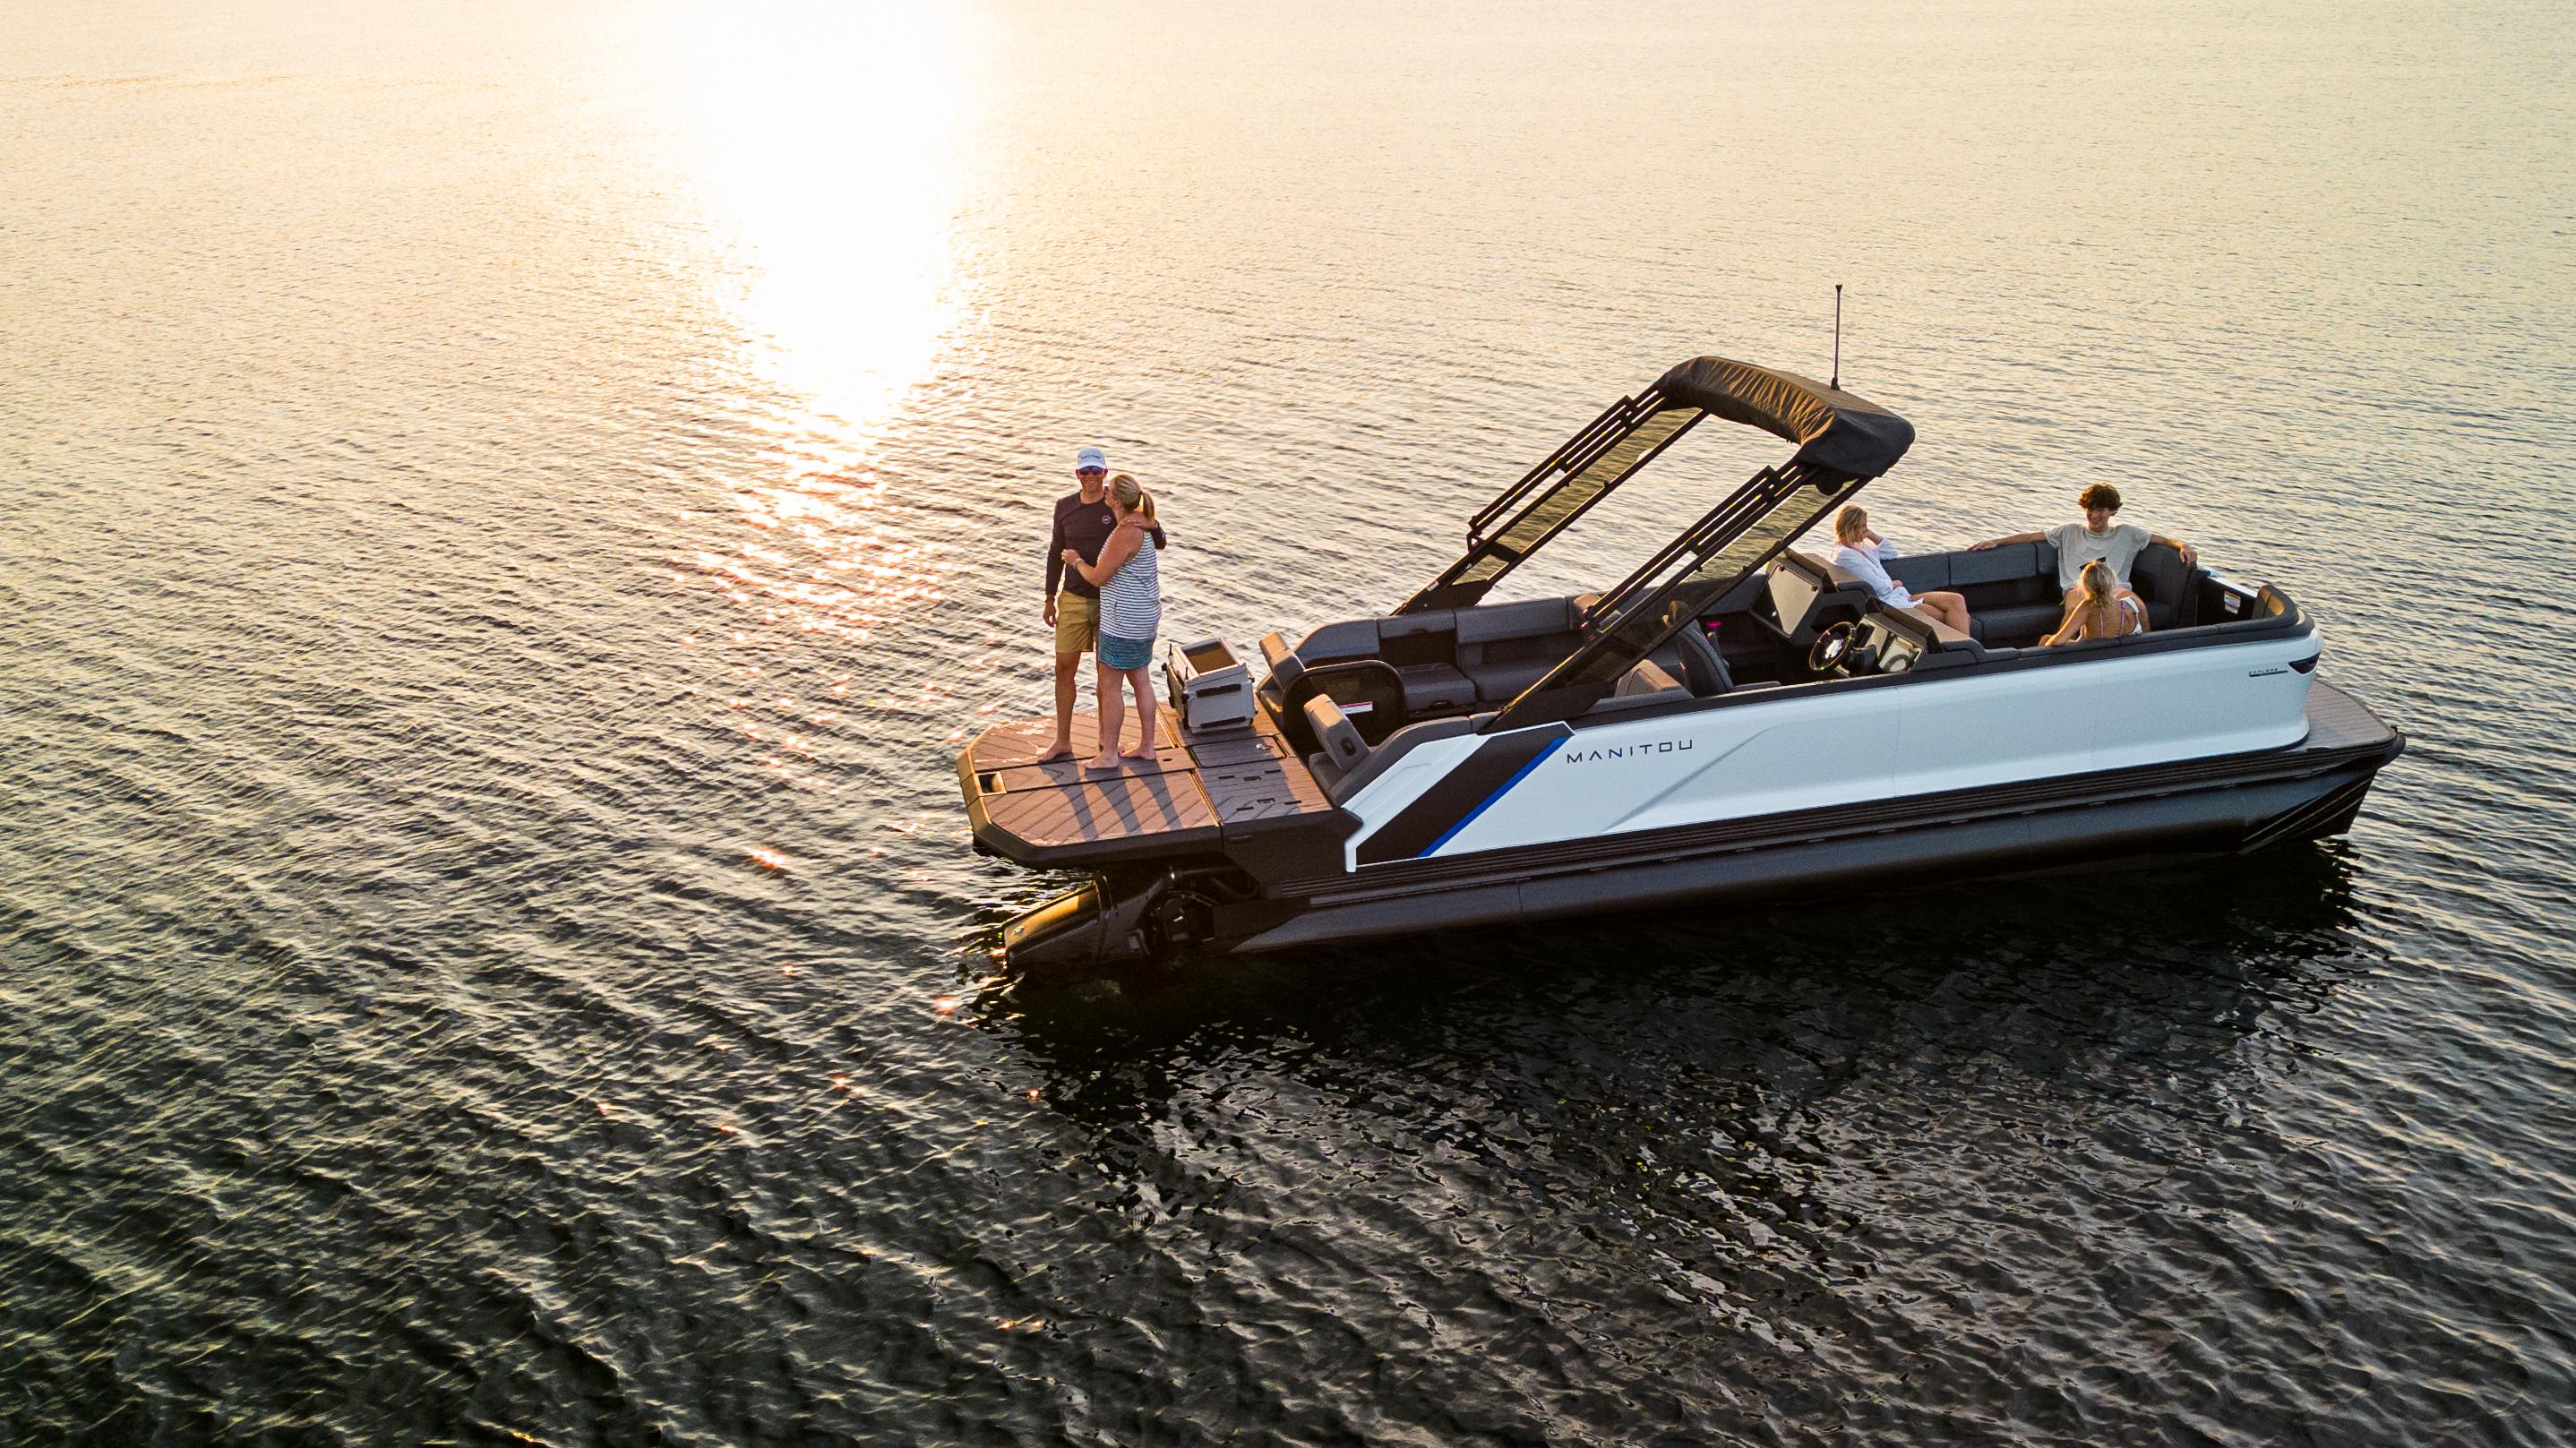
<point>1171,759</point>
<point>2337,720</point>
<point>1017,745</point>
<point>1195,782</point>
<point>1105,807</point>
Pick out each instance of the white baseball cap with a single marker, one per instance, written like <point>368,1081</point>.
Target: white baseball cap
<point>1091,457</point>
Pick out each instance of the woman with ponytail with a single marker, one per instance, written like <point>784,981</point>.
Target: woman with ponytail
<point>1131,613</point>
<point>2104,610</point>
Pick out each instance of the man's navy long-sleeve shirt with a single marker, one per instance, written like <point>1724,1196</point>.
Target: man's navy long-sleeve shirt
<point>1085,528</point>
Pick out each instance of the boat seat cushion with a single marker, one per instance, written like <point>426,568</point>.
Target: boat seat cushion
<point>1921,572</point>
<point>1435,689</point>
<point>1353,639</point>
<point>2011,563</point>
<point>1500,683</point>
<point>1741,596</point>
<point>2013,624</point>
<point>1334,730</point>
<point>1405,625</point>
<point>1647,677</point>
<point>1528,619</point>
<point>1941,632</point>
<point>2012,591</point>
<point>1285,666</point>
<point>1703,664</point>
<point>2161,578</point>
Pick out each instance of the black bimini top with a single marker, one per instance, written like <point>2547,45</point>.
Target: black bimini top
<point>1832,428</point>
<point>1838,435</point>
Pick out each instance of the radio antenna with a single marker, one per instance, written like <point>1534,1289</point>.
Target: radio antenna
<point>1838,336</point>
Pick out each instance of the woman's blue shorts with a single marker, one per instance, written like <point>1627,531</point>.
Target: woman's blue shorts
<point>1125,654</point>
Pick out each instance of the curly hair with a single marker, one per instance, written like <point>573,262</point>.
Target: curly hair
<point>2100,495</point>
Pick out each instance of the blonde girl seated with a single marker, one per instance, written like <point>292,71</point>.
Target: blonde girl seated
<point>1863,552</point>
<point>2102,609</point>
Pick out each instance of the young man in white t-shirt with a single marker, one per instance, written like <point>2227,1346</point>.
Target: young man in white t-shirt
<point>2080,543</point>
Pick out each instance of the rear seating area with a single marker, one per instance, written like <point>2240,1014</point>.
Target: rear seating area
<point>1459,661</point>
<point>1454,660</point>
<point>1452,663</point>
<point>2012,592</point>
<point>1440,668</point>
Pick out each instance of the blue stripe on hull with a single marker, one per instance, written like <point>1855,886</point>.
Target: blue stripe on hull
<point>1518,775</point>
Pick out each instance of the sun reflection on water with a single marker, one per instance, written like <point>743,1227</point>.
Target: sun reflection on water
<point>823,146</point>
<point>827,141</point>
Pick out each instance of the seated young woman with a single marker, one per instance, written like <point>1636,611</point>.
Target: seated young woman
<point>2103,609</point>
<point>1851,532</point>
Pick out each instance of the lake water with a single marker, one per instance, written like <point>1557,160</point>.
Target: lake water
<point>507,512</point>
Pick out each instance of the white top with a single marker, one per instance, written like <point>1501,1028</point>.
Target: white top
<point>2118,545</point>
<point>1872,569</point>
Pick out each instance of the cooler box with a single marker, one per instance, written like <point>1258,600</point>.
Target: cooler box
<point>1208,686</point>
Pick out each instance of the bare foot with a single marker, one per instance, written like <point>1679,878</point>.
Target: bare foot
<point>1140,752</point>
<point>1102,764</point>
<point>1058,750</point>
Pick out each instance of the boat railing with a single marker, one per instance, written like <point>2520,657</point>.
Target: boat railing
<point>1616,416</point>
<point>1589,468</point>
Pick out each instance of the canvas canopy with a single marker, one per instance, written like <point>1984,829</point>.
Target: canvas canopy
<point>1832,428</point>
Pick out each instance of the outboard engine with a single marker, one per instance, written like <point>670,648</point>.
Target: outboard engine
<point>1078,931</point>
<point>1096,927</point>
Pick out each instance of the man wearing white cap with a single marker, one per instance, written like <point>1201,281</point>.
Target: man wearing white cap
<point>1083,523</point>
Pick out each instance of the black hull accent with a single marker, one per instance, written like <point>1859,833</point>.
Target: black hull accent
<point>1449,805</point>
<point>2230,805</point>
<point>2218,821</point>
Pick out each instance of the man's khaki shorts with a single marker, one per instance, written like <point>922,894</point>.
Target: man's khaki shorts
<point>1077,623</point>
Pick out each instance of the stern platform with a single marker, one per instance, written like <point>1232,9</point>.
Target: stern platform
<point>1202,793</point>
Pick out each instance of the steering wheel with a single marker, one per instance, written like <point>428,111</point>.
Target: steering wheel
<point>1831,647</point>
<point>1843,649</point>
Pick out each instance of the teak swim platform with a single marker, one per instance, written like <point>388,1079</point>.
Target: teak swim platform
<point>1735,719</point>
<point>1197,785</point>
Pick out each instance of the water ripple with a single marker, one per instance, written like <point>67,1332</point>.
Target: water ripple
<point>494,581</point>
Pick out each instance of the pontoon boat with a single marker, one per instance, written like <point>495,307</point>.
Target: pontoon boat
<point>1736,719</point>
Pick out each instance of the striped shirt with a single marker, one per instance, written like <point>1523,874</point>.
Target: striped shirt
<point>1131,602</point>
<point>1084,528</point>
